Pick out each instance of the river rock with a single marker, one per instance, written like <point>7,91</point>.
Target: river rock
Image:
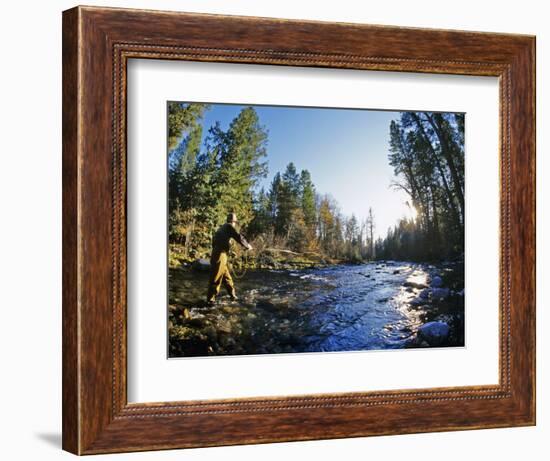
<point>437,282</point>
<point>267,305</point>
<point>418,301</point>
<point>434,333</point>
<point>440,293</point>
<point>224,326</point>
<point>201,265</point>
<point>425,294</point>
<point>196,322</point>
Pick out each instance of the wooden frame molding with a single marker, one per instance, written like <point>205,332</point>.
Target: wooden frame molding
<point>97,43</point>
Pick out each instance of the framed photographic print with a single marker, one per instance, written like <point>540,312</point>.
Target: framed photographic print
<point>284,230</point>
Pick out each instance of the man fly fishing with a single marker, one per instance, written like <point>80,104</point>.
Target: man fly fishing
<point>219,272</point>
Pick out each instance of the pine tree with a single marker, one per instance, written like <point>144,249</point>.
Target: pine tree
<point>262,223</point>
<point>185,136</point>
<point>181,118</point>
<point>240,154</point>
<point>307,191</point>
<point>273,201</point>
<point>288,200</point>
<point>352,238</point>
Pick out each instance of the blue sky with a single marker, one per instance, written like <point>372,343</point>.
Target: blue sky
<point>345,150</point>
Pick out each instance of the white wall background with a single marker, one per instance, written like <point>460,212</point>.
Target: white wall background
<point>30,235</point>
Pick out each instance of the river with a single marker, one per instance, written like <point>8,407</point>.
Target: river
<point>370,306</point>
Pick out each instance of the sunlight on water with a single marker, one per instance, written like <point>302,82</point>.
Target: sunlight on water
<point>416,281</point>
<point>418,276</point>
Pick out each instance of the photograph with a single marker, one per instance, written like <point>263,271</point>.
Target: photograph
<point>306,229</point>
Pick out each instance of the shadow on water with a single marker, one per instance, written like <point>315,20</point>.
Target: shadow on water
<point>338,308</point>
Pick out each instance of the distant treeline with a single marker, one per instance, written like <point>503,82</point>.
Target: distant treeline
<point>222,174</point>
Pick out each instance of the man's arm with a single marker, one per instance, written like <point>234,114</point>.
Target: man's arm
<point>240,238</point>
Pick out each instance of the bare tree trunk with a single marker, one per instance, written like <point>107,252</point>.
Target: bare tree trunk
<point>457,214</point>
<point>447,149</point>
<point>418,196</point>
<point>435,221</point>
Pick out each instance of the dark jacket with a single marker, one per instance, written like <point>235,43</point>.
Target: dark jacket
<point>222,238</point>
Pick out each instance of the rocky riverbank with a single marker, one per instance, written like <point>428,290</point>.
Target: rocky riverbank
<point>440,299</point>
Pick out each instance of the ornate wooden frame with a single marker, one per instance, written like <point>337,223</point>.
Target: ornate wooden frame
<point>97,43</point>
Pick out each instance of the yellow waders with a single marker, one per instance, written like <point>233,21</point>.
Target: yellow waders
<point>219,273</point>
